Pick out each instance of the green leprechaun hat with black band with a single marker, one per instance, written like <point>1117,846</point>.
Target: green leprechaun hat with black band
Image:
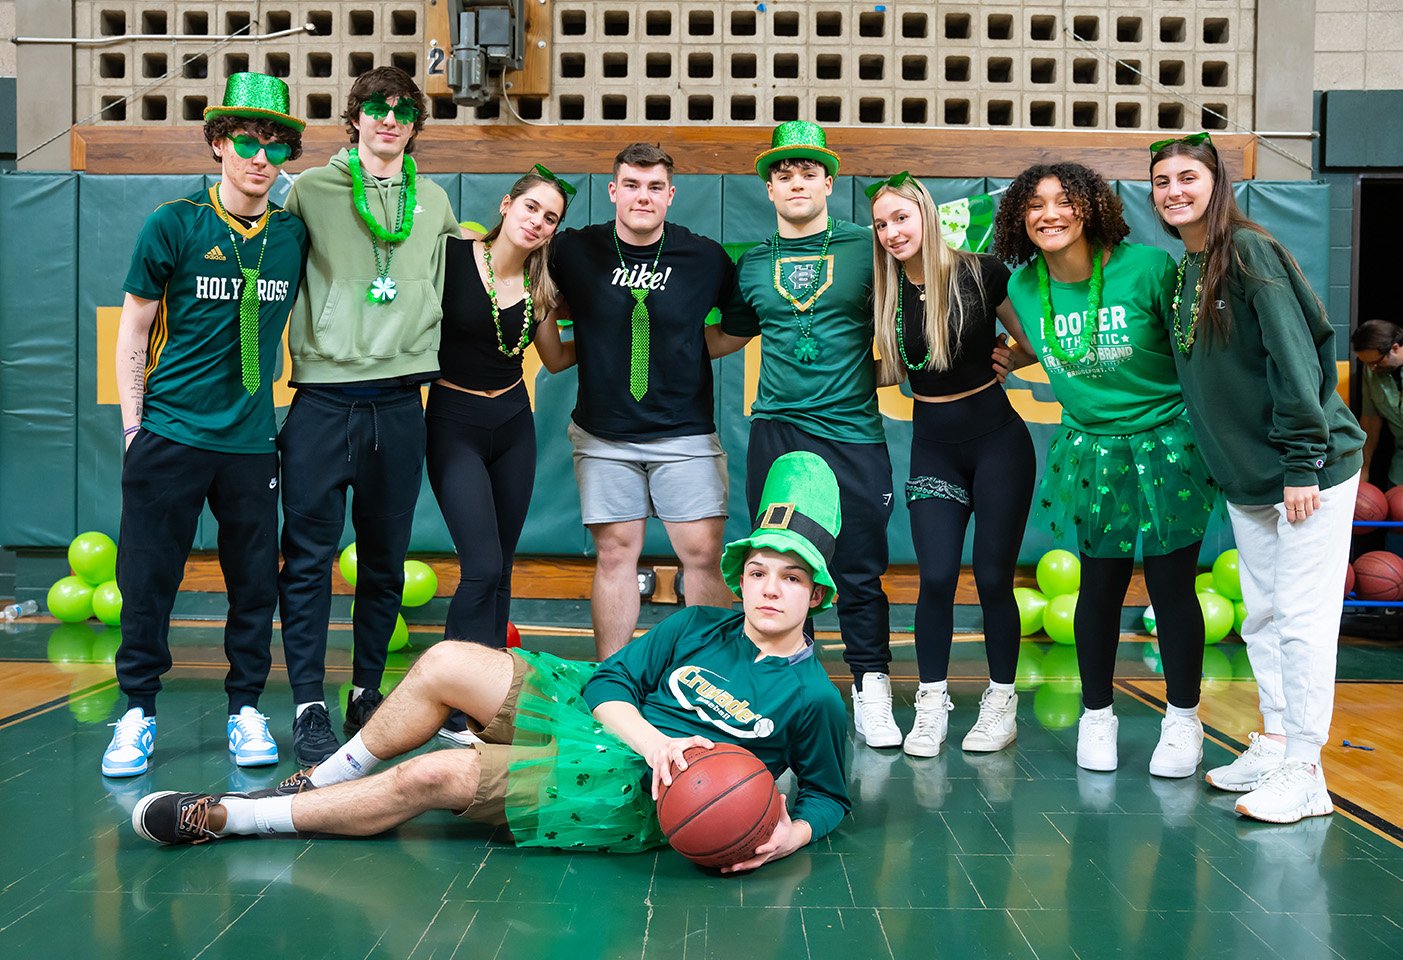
<point>799,514</point>
<point>797,140</point>
<point>256,96</point>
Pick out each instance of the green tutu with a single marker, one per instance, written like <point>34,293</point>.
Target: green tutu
<point>570,782</point>
<point>1106,490</point>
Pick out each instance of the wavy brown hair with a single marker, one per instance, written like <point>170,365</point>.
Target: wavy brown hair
<point>392,82</point>
<point>1100,210</point>
<point>545,295</point>
<point>218,128</point>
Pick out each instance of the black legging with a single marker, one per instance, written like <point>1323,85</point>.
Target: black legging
<point>971,456</point>
<point>1170,580</point>
<point>482,466</point>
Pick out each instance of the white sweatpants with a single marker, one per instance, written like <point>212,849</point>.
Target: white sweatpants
<point>1293,580</point>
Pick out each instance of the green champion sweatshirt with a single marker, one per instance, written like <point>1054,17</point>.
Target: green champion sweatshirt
<point>1263,403</point>
<point>695,674</point>
<point>335,334</point>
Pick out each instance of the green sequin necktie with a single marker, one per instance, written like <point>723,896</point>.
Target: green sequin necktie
<point>248,303</point>
<point>639,323</point>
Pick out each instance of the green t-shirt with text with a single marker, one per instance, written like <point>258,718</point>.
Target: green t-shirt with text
<point>1127,382</point>
<point>186,257</point>
<point>834,396</point>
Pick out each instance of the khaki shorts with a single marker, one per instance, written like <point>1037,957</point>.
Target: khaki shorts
<point>489,804</point>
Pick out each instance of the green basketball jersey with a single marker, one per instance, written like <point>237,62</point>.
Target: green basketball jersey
<point>186,257</point>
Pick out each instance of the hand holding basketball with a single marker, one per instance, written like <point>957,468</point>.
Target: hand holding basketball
<point>788,836</point>
<point>667,752</point>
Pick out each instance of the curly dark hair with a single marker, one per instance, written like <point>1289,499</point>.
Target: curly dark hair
<point>218,128</point>
<point>1100,210</point>
<point>392,82</point>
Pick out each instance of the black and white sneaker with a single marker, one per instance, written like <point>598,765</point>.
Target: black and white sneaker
<point>312,738</point>
<point>359,709</point>
<point>299,782</point>
<point>172,817</point>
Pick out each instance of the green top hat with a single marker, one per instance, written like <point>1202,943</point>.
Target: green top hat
<point>797,140</point>
<point>258,97</point>
<point>799,514</point>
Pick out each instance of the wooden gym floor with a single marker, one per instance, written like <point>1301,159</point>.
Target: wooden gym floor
<point>1016,854</point>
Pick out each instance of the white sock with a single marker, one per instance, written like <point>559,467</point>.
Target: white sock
<point>1006,689</point>
<point>310,703</point>
<point>273,815</point>
<point>938,686</point>
<point>239,816</point>
<point>351,762</point>
<point>356,692</point>
<point>1101,714</point>
<point>1174,711</point>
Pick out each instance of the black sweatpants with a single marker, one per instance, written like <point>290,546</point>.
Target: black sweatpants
<point>969,457</point>
<point>1170,581</point>
<point>165,486</point>
<point>860,556</point>
<point>482,466</point>
<point>373,446</point>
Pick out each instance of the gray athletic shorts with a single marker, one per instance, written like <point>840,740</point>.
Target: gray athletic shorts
<point>676,479</point>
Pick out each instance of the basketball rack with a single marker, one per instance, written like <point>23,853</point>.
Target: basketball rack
<point>1375,619</point>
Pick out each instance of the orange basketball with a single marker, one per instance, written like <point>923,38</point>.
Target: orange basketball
<point>1378,575</point>
<point>1395,502</point>
<point>1369,504</point>
<point>721,807</point>
<point>1349,579</point>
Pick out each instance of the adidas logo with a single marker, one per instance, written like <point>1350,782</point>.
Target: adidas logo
<point>215,254</point>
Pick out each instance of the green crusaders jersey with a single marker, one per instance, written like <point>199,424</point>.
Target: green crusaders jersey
<point>1126,383</point>
<point>832,395</point>
<point>187,257</point>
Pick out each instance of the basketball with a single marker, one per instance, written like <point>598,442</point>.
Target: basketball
<point>1370,504</point>
<point>1378,575</point>
<point>1395,502</point>
<point>1349,579</point>
<point>721,807</point>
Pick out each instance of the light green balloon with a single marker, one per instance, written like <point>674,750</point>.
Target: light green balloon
<point>1059,572</point>
<point>1203,583</point>
<point>1217,616</point>
<point>348,564</point>
<point>1239,616</point>
<point>93,556</point>
<point>1226,575</point>
<point>1031,604</point>
<point>107,603</point>
<point>70,599</point>
<point>420,583</point>
<point>1059,619</point>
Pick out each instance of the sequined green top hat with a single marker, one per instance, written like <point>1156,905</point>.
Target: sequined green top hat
<point>799,514</point>
<point>797,140</point>
<point>258,97</point>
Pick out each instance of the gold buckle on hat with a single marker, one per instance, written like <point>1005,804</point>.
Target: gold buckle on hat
<point>777,516</point>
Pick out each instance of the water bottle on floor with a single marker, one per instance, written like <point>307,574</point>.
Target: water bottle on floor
<point>25,608</point>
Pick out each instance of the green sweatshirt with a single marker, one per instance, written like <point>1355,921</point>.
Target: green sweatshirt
<point>335,334</point>
<point>1263,404</point>
<point>695,674</point>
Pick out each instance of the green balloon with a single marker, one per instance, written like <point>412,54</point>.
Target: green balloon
<point>1242,665</point>
<point>1031,604</point>
<point>1060,668</point>
<point>1226,576</point>
<point>1148,619</point>
<point>400,636</point>
<point>107,603</point>
<point>1059,572</point>
<point>1059,619</point>
<point>1203,583</point>
<point>348,564</point>
<point>1217,616</point>
<point>70,646</point>
<point>71,599</point>
<point>1239,615</point>
<point>93,556</point>
<point>1030,669</point>
<point>420,583</point>
<point>1056,709</point>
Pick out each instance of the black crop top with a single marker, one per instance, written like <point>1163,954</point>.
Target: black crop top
<point>467,353</point>
<point>972,365</point>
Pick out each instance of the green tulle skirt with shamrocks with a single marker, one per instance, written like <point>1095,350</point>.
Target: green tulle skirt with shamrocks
<point>570,782</point>
<point>1105,491</point>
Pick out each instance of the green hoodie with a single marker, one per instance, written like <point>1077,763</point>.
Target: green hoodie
<point>335,334</point>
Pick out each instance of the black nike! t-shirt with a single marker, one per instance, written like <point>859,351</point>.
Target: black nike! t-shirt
<point>693,275</point>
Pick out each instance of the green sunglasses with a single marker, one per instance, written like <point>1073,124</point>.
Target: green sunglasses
<point>404,109</point>
<point>248,147</point>
<point>894,181</point>
<point>1193,140</point>
<point>560,182</point>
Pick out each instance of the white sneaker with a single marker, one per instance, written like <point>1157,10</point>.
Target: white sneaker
<point>1096,741</point>
<point>1180,747</point>
<point>133,741</point>
<point>1291,792</point>
<point>249,740</point>
<point>459,738</point>
<point>932,724</point>
<point>872,712</point>
<point>997,725</point>
<point>1263,755</point>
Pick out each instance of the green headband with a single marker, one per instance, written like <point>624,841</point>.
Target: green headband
<point>894,181</point>
<point>560,182</point>
<point>1193,140</point>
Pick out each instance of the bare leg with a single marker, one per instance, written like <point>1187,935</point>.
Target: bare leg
<point>614,594</point>
<point>698,545</point>
<point>451,675</point>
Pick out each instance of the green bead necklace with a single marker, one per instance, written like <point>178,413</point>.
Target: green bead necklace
<point>1087,338</point>
<point>1185,342</point>
<point>901,329</point>
<point>806,346</point>
<point>527,318</point>
<point>383,289</point>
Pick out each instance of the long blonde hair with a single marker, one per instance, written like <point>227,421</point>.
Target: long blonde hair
<point>545,295</point>
<point>945,306</point>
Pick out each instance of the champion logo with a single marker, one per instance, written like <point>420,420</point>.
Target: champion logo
<point>215,254</point>
<point>355,764</point>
